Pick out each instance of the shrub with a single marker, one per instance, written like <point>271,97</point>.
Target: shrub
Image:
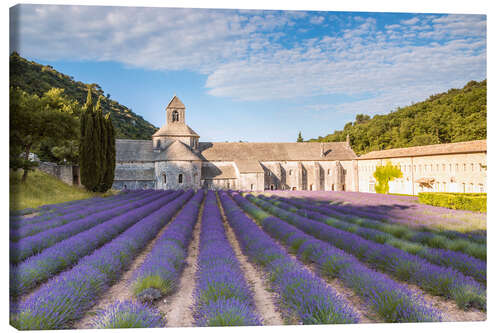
<point>465,201</point>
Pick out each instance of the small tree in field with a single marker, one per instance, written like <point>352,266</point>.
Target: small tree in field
<point>384,174</point>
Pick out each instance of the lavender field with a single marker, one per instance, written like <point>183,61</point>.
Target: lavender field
<point>203,258</point>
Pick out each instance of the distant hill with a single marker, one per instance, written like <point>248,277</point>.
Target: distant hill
<point>36,78</point>
<point>454,116</point>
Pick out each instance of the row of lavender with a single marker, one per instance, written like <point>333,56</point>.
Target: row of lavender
<point>396,210</point>
<point>64,254</point>
<point>432,238</point>
<point>158,276</point>
<point>392,301</point>
<point>462,262</point>
<point>80,212</point>
<point>303,297</point>
<point>32,245</point>
<point>66,297</point>
<point>371,213</point>
<point>447,282</point>
<point>50,211</point>
<point>223,298</point>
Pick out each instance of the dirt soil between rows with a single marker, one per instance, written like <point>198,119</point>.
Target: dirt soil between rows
<point>264,299</point>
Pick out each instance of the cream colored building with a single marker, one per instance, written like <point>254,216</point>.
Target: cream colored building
<point>451,167</point>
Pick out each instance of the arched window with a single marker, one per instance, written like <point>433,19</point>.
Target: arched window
<point>164,178</point>
<point>291,171</point>
<point>180,178</point>
<point>175,116</point>
<point>328,172</point>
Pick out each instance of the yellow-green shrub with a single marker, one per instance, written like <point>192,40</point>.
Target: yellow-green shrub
<point>465,201</point>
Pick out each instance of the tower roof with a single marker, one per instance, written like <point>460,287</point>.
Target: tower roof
<point>176,129</point>
<point>176,103</point>
<point>177,151</point>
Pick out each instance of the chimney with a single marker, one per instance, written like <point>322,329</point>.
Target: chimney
<point>322,150</point>
<point>348,141</point>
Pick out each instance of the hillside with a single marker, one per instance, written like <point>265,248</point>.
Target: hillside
<point>43,189</point>
<point>454,116</point>
<point>36,78</point>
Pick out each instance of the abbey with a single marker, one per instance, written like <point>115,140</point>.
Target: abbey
<point>176,159</point>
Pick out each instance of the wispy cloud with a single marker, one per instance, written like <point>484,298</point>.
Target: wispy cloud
<point>244,58</point>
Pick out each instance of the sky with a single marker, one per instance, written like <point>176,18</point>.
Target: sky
<point>255,75</point>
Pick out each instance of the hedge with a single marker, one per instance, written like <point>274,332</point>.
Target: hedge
<point>465,201</point>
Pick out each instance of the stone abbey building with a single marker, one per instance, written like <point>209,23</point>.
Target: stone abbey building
<point>176,159</point>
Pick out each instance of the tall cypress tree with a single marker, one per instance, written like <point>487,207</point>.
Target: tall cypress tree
<point>110,153</point>
<point>96,148</point>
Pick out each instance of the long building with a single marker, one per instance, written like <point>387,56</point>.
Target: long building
<point>176,159</point>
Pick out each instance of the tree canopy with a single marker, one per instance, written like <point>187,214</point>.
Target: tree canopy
<point>36,120</point>
<point>384,174</point>
<point>454,116</point>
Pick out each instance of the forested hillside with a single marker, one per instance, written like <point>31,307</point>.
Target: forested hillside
<point>35,78</point>
<point>454,116</point>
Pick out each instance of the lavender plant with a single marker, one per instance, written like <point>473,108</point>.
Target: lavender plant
<point>466,264</point>
<point>29,246</point>
<point>66,297</point>
<point>42,266</point>
<point>318,303</point>
<point>392,301</point>
<point>161,269</point>
<point>222,294</point>
<point>447,282</point>
<point>128,315</point>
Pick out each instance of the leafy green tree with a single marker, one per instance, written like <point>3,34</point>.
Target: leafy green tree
<point>299,138</point>
<point>454,116</point>
<point>34,120</point>
<point>384,174</point>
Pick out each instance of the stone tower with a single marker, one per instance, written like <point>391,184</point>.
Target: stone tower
<point>175,128</point>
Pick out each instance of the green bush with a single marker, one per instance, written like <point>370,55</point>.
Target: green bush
<point>465,201</point>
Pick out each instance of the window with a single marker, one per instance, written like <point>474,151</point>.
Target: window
<point>180,178</point>
<point>328,172</point>
<point>272,187</point>
<point>228,185</point>
<point>251,187</point>
<point>456,167</point>
<point>465,167</point>
<point>291,171</point>
<point>425,168</point>
<point>444,187</point>
<point>463,187</point>
<point>310,187</point>
<point>420,168</point>
<point>471,188</point>
<point>472,167</point>
<point>444,167</point>
<point>175,116</point>
<point>164,178</point>
<point>481,188</point>
<point>437,167</point>
<point>450,167</point>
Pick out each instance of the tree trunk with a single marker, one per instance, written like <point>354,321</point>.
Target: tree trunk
<point>26,166</point>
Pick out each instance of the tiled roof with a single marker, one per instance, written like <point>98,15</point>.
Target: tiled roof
<point>175,129</point>
<point>440,149</point>
<point>212,171</point>
<point>134,150</point>
<point>267,151</point>
<point>177,151</point>
<point>249,166</point>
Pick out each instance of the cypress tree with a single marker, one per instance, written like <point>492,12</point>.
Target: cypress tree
<point>110,153</point>
<point>87,158</point>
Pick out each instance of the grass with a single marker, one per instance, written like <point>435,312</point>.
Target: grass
<point>43,189</point>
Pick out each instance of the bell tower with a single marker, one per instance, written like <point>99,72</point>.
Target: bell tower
<point>175,129</point>
<point>176,112</point>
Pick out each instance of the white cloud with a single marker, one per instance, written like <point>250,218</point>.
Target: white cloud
<point>316,19</point>
<point>240,53</point>
<point>410,21</point>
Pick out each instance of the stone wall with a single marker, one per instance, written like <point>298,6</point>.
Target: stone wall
<point>67,173</point>
<point>168,173</point>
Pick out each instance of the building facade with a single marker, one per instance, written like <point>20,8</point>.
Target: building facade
<point>176,159</point>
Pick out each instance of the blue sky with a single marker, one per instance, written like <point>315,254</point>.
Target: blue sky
<point>256,75</point>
